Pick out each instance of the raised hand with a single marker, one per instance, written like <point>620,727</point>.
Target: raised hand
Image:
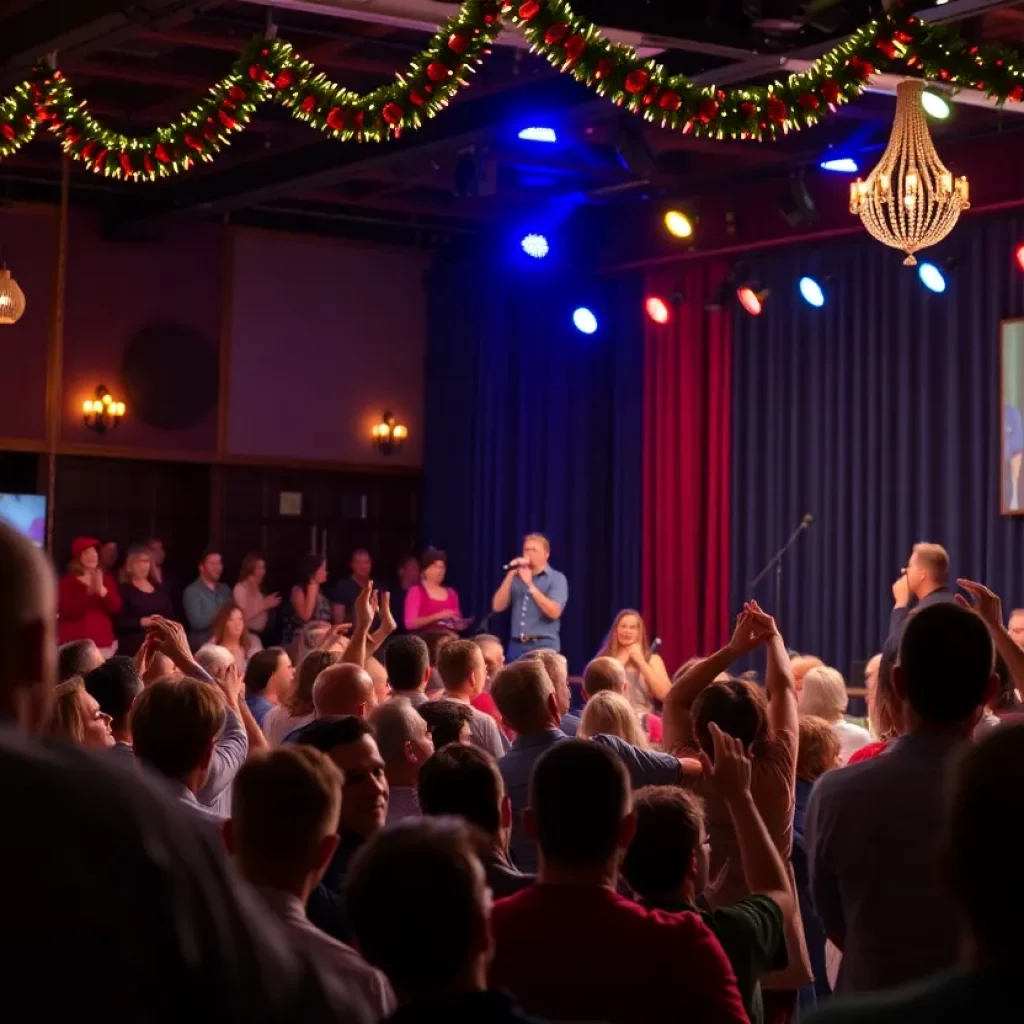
<point>764,624</point>
<point>365,607</point>
<point>901,590</point>
<point>730,773</point>
<point>171,639</point>
<point>984,602</point>
<point>387,617</point>
<point>271,601</point>
<point>745,637</point>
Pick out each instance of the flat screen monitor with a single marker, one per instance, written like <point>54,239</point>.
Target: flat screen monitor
<point>26,513</point>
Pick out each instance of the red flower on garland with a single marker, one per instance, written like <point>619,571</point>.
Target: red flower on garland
<point>257,73</point>
<point>458,43</point>
<point>650,96</point>
<point>226,120</point>
<point>393,113</point>
<point>194,142</point>
<point>906,37</point>
<point>575,46</point>
<point>777,110</point>
<point>8,131</point>
<point>670,101</point>
<point>636,81</point>
<point>604,68</point>
<point>72,135</point>
<point>308,104</point>
<point>1016,94</point>
<point>160,152</point>
<point>416,98</point>
<point>707,110</point>
<point>556,33</point>
<point>236,92</point>
<point>284,79</point>
<point>748,109</point>
<point>89,148</point>
<point>337,119</point>
<point>437,72</point>
<point>360,119</point>
<point>830,90</point>
<point>100,162</point>
<point>209,132</point>
<point>126,164</point>
<point>809,101</point>
<point>529,10</point>
<point>887,47</point>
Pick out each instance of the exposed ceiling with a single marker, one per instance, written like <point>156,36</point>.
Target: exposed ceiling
<point>139,64</point>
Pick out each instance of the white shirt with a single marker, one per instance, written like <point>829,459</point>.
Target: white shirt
<point>279,723</point>
<point>851,738</point>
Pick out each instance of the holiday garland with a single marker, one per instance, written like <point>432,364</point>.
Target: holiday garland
<point>269,69</point>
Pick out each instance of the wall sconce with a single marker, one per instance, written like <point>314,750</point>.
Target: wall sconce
<point>12,298</point>
<point>102,413</point>
<point>389,435</point>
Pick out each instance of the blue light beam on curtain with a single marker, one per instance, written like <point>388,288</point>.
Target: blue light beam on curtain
<point>880,415</point>
<point>531,425</point>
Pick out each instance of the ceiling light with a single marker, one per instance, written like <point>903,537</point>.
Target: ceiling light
<point>584,320</point>
<point>535,246</point>
<point>678,224</point>
<point>841,165</point>
<point>539,133</point>
<point>932,278</point>
<point>752,301</point>
<point>935,105</point>
<point>812,292</point>
<point>657,309</point>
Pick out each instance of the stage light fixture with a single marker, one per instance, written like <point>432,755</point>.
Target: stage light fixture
<point>840,165</point>
<point>678,224</point>
<point>751,300</point>
<point>536,246</point>
<point>932,278</point>
<point>812,292</point>
<point>584,320</point>
<point>1018,255</point>
<point>657,309</point>
<point>539,133</point>
<point>935,106</point>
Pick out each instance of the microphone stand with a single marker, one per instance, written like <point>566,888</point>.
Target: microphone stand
<point>775,562</point>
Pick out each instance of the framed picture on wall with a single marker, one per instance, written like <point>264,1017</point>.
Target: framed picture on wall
<point>1011,385</point>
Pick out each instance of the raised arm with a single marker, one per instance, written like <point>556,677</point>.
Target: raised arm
<point>779,683</point>
<point>989,607</point>
<point>387,624</point>
<point>364,610</point>
<point>502,596</point>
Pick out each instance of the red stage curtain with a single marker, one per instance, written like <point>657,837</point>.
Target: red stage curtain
<point>687,464</point>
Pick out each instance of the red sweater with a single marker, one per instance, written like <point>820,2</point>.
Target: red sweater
<point>83,615</point>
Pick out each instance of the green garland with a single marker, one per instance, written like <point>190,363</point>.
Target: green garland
<point>269,69</point>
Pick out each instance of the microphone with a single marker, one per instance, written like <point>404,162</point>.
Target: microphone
<point>655,645</point>
<point>514,564</point>
<point>808,520</point>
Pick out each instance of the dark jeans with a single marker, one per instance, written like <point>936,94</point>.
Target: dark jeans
<point>516,648</point>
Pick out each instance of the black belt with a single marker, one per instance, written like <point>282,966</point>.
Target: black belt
<point>529,638</point>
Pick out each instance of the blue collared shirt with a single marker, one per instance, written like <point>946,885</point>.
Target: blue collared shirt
<point>527,618</point>
<point>259,706</point>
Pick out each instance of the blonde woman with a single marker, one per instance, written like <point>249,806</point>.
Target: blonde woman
<point>824,695</point>
<point>248,593</point>
<point>141,600</point>
<point>229,632</point>
<point>609,713</point>
<point>76,717</point>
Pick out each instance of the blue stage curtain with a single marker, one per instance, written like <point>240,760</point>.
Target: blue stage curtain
<point>880,415</point>
<point>533,426</point>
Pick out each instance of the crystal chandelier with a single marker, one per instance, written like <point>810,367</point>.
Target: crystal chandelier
<point>12,298</point>
<point>910,201</point>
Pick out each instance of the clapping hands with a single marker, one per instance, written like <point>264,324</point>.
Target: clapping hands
<point>754,626</point>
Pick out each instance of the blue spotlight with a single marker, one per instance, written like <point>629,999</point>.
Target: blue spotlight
<point>539,133</point>
<point>535,246</point>
<point>584,320</point>
<point>841,165</point>
<point>932,278</point>
<point>812,292</point>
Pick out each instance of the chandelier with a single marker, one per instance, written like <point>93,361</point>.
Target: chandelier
<point>910,201</point>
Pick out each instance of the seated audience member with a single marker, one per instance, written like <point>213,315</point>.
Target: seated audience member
<point>461,666</point>
<point>557,668</point>
<point>268,675</point>
<point>141,600</point>
<point>343,689</point>
<point>408,663</point>
<point>191,935</point>
<point>115,685</point>
<point>282,833</point>
<point>76,717</point>
<point>346,591</point>
<point>435,641</point>
<point>175,727</point>
<point>986,791</point>
<point>923,582</point>
<point>379,677</point>
<point>526,697</point>
<point>464,781</point>
<point>873,828</point>
<point>349,743</point>
<point>448,722</point>
<point>77,658</point>
<point>884,711</point>
<point>569,947</point>
<point>307,601</point>
<point>296,707</point>
<point>248,594</point>
<point>646,675</point>
<point>429,605</point>
<point>88,598</point>
<point>229,631</point>
<point>824,696</point>
<point>667,867</point>
<point>403,739</point>
<point>203,597</point>
<point>819,752</point>
<point>604,674</point>
<point>609,712</point>
<point>437,957</point>
<point>800,665</point>
<point>494,655</point>
<point>766,722</point>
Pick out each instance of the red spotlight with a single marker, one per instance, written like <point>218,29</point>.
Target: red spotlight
<point>657,309</point>
<point>1019,256</point>
<point>751,301</point>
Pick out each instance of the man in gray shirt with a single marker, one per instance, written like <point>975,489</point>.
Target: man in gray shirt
<point>874,829</point>
<point>203,598</point>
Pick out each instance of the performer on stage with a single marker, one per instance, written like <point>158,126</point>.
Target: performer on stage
<point>537,594</point>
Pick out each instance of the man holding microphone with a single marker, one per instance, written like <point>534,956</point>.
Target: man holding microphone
<point>537,594</point>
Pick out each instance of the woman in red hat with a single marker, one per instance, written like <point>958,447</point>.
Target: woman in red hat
<point>88,598</point>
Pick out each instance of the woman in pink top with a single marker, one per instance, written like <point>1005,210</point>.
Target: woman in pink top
<point>429,604</point>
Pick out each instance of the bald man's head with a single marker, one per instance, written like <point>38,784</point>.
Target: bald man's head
<point>604,674</point>
<point>28,666</point>
<point>343,689</point>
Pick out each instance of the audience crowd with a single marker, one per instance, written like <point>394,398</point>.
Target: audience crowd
<point>296,807</point>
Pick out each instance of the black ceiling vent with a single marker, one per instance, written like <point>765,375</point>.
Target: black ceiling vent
<point>170,376</point>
